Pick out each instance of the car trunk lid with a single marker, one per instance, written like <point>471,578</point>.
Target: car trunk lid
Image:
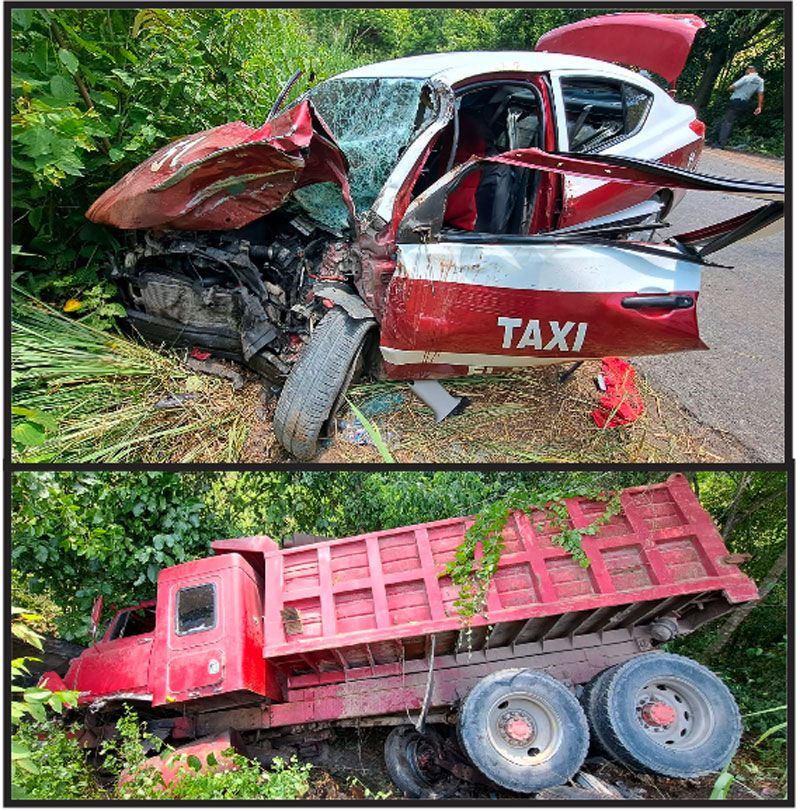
<point>656,42</point>
<point>226,177</point>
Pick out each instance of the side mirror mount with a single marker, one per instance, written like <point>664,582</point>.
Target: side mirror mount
<point>97,612</point>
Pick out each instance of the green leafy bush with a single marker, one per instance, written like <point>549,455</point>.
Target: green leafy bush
<point>125,757</point>
<point>56,766</point>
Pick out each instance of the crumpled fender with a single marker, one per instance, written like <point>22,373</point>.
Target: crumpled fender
<point>226,177</point>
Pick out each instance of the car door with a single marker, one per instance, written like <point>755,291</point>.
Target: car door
<point>618,114</point>
<point>119,664</point>
<point>466,301</point>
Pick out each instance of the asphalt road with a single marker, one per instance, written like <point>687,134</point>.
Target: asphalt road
<point>737,386</point>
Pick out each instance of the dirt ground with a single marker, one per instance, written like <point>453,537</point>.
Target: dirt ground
<point>350,766</point>
<point>515,417</point>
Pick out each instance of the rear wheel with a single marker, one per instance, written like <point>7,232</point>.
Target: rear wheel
<point>523,730</point>
<point>318,381</point>
<point>412,763</point>
<point>665,714</point>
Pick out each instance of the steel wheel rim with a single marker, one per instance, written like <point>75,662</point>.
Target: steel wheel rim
<point>673,713</point>
<point>421,757</point>
<point>524,729</point>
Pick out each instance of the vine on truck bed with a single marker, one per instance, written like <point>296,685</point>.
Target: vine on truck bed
<point>473,575</point>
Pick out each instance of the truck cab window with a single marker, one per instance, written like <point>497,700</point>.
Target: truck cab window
<point>135,622</point>
<point>196,609</point>
<point>601,113</point>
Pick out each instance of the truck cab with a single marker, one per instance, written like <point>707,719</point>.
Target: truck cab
<point>200,639</point>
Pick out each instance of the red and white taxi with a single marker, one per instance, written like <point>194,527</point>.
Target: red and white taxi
<point>435,216</point>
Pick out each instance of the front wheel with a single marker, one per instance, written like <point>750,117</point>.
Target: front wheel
<point>318,381</point>
<point>411,762</point>
<point>523,730</point>
<point>666,714</point>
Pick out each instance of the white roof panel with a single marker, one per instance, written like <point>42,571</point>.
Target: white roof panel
<point>454,67</point>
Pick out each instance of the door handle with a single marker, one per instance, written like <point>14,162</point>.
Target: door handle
<point>658,302</point>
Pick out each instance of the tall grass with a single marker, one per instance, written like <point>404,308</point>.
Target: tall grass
<point>97,391</point>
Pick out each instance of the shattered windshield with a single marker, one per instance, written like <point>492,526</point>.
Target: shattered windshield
<point>373,121</point>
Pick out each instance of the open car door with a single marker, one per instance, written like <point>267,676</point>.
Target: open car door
<point>475,301</point>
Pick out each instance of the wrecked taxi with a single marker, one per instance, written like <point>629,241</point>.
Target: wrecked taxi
<point>431,217</point>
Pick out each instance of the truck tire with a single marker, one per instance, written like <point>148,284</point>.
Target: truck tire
<point>318,381</point>
<point>664,714</point>
<point>589,703</point>
<point>411,764</point>
<point>523,730</point>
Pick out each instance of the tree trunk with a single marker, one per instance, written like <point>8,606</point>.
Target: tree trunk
<point>739,615</point>
<point>730,519</point>
<point>709,78</point>
<point>722,55</point>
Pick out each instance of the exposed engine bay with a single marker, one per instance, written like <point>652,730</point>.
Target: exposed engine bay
<point>252,295</point>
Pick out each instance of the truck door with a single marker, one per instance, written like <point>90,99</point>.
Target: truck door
<point>120,662</point>
<point>194,633</point>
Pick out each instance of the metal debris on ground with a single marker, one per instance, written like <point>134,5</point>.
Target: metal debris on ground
<point>175,401</point>
<point>217,369</point>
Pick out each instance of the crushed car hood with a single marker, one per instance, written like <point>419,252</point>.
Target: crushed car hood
<point>226,177</point>
<point>656,42</point>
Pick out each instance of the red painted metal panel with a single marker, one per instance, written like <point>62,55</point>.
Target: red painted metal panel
<point>658,42</point>
<point>468,325</point>
<point>225,177</point>
<point>335,597</point>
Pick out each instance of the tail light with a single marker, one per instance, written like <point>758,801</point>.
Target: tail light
<point>698,128</point>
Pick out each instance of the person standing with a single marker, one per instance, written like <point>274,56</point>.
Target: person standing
<point>742,92</point>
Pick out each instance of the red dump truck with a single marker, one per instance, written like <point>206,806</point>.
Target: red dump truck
<point>363,630</point>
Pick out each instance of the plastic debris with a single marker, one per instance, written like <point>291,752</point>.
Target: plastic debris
<point>199,354</point>
<point>621,403</point>
<point>355,433</point>
<point>382,404</point>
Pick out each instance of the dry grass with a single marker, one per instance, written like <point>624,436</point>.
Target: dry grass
<point>101,391</point>
<point>531,417</point>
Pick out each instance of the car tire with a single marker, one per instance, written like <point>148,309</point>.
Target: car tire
<point>408,756</point>
<point>523,730</point>
<point>317,383</point>
<point>664,714</point>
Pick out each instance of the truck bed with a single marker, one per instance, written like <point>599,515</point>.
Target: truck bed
<point>380,597</point>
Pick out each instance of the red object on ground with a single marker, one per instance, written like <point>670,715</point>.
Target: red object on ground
<point>199,354</point>
<point>657,42</point>
<point>621,403</point>
<point>174,765</point>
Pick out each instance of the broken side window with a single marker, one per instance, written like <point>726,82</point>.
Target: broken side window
<point>600,112</point>
<point>373,122</point>
<point>135,622</point>
<point>196,609</point>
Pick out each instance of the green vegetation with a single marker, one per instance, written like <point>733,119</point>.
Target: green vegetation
<point>85,394</point>
<point>61,770</point>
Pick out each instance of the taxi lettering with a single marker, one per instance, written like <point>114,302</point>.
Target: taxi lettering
<point>545,336</point>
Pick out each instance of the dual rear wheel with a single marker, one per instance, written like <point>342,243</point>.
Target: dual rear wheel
<point>526,732</point>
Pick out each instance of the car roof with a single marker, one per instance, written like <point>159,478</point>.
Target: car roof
<point>453,67</point>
